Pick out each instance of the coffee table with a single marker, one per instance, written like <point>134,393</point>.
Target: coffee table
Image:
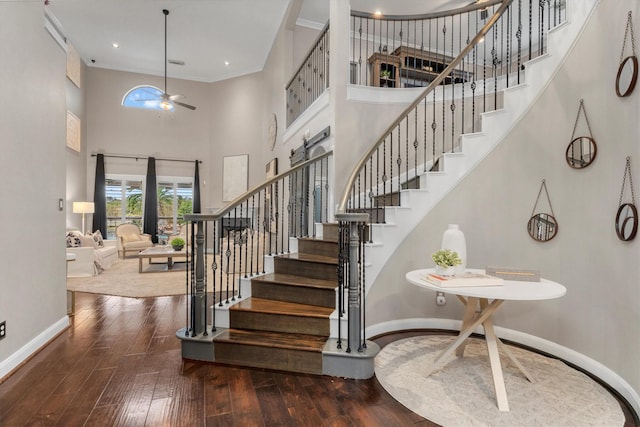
<point>160,252</point>
<point>481,302</point>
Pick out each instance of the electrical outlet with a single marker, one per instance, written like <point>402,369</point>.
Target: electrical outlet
<point>3,329</point>
<point>440,299</point>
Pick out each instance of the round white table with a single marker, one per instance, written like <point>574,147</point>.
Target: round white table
<point>489,299</point>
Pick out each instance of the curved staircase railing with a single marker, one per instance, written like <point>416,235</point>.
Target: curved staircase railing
<point>311,78</point>
<point>463,78</point>
<point>232,243</point>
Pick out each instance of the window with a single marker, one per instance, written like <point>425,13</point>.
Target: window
<point>148,97</point>
<point>175,198</point>
<point>125,202</point>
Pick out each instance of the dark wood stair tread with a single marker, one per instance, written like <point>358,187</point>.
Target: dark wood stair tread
<point>273,339</point>
<point>310,258</point>
<point>293,280</point>
<point>261,305</point>
<point>319,239</point>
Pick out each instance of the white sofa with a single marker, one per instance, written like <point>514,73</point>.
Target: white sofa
<point>91,259</point>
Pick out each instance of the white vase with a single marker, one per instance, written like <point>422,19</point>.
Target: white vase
<point>453,239</point>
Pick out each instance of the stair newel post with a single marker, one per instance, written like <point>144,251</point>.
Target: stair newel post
<point>199,303</point>
<point>351,260</point>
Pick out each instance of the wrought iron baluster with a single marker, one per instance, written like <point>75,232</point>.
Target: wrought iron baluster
<point>398,161</point>
<point>325,185</point>
<point>464,73</point>
<point>253,232</point>
<point>508,40</point>
<point>519,38</point>
<point>415,145</point>
<point>541,31</point>
<point>270,219</point>
<point>214,267</point>
<point>424,136</point>
<point>494,55</point>
<point>406,151</point>
<point>530,27</point>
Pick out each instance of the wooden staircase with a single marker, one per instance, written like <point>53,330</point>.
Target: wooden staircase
<point>285,324</point>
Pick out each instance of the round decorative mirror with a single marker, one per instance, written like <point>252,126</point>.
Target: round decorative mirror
<point>627,222</point>
<point>627,76</point>
<point>542,227</point>
<point>627,216</point>
<point>581,152</point>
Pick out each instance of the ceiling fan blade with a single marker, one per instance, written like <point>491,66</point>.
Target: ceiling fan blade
<point>182,104</point>
<point>176,96</point>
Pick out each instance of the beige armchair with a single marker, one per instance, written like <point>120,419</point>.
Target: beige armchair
<point>131,239</point>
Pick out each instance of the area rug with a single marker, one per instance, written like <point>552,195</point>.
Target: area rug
<point>123,279</point>
<point>461,392</point>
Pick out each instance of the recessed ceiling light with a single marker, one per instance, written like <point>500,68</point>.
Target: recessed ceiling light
<point>226,63</point>
<point>115,45</point>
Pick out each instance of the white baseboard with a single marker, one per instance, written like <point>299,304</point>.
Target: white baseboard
<point>30,348</point>
<point>594,367</point>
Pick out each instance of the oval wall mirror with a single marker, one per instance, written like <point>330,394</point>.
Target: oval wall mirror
<point>627,222</point>
<point>542,227</point>
<point>627,76</point>
<point>581,152</point>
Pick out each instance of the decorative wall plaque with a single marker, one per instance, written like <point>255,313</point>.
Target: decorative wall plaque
<point>73,132</point>
<point>74,65</point>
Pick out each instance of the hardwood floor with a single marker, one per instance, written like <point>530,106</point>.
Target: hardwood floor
<point>120,365</point>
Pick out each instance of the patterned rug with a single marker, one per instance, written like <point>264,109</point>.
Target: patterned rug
<point>461,392</point>
<point>123,279</point>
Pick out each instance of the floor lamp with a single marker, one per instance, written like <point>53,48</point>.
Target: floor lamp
<point>83,208</point>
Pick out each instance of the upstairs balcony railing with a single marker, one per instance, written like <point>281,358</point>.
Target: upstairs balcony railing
<point>410,51</point>
<point>311,78</point>
<point>232,243</point>
<point>464,58</point>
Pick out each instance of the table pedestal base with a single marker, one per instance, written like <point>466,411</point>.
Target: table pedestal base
<point>471,320</point>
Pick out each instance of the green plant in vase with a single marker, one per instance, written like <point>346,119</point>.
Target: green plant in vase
<point>446,260</point>
<point>385,74</point>
<point>177,244</point>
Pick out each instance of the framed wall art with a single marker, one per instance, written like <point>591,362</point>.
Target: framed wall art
<point>74,65</point>
<point>73,132</point>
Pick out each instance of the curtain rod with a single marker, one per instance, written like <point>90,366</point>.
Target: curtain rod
<point>145,158</point>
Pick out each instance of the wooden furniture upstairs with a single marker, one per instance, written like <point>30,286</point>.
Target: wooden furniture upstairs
<point>408,67</point>
<point>131,239</point>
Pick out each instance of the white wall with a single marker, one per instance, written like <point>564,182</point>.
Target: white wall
<point>32,127</point>
<point>599,315</point>
<point>77,186</point>
<point>227,121</point>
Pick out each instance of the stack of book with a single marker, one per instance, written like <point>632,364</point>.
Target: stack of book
<point>462,280</point>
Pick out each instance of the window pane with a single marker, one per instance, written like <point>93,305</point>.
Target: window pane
<point>148,97</point>
<point>165,208</point>
<point>185,200</point>
<point>113,189</point>
<point>134,201</point>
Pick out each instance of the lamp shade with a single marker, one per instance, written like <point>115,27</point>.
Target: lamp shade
<point>83,207</point>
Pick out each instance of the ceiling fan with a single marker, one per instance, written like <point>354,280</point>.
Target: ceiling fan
<point>168,101</point>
